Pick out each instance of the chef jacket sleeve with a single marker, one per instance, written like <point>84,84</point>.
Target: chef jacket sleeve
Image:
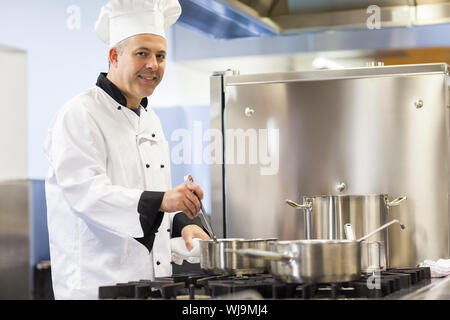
<point>150,216</point>
<point>77,153</point>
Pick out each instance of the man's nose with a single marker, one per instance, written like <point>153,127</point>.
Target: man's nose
<point>152,63</point>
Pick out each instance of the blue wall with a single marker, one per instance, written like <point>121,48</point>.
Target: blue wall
<point>185,118</point>
<point>39,246</point>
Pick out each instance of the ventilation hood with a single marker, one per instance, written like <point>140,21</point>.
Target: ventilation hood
<point>228,19</point>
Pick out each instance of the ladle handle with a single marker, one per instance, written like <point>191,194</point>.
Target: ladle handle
<point>188,178</point>
<point>384,226</point>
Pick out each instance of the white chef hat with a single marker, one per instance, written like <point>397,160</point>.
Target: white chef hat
<point>120,19</point>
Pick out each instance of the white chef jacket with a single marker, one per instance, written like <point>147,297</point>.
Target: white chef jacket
<point>102,157</point>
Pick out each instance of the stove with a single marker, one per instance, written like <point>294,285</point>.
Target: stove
<point>197,286</point>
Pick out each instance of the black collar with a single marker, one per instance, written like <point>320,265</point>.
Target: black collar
<point>111,89</point>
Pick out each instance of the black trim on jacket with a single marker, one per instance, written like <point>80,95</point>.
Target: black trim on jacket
<point>114,92</point>
<point>151,218</point>
<point>180,220</point>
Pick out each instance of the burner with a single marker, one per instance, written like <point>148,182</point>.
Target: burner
<point>202,286</point>
<point>261,283</point>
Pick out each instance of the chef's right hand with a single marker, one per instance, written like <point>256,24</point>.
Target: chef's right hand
<point>183,198</point>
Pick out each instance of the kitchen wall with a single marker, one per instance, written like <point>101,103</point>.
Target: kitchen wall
<point>13,114</point>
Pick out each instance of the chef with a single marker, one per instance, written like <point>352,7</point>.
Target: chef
<point>110,205</point>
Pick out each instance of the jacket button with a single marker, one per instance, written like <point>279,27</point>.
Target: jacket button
<point>153,135</point>
<point>162,166</point>
<point>119,107</point>
<point>158,263</point>
<point>147,165</point>
<point>168,230</point>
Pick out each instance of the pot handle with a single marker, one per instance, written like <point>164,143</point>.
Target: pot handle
<point>307,205</point>
<point>396,201</point>
<point>266,255</point>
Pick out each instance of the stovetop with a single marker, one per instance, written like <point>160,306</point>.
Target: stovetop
<point>196,286</point>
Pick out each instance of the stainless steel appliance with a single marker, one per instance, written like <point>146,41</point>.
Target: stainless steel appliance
<point>15,264</point>
<point>24,253</point>
<point>378,130</point>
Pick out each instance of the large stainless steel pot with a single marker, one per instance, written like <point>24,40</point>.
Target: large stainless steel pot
<point>326,216</point>
<point>313,261</point>
<point>216,261</point>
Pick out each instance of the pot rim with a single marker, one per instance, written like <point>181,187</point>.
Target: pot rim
<point>240,240</point>
<point>316,241</point>
<point>371,195</point>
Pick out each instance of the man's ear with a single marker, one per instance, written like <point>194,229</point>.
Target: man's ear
<point>113,57</point>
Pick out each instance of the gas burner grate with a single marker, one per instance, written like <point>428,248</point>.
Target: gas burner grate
<point>193,286</point>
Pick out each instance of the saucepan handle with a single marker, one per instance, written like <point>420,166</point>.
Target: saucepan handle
<point>266,255</point>
<point>295,205</point>
<point>396,201</point>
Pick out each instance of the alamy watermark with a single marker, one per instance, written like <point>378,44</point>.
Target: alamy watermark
<point>374,280</point>
<point>73,21</point>
<point>374,20</point>
<point>244,147</point>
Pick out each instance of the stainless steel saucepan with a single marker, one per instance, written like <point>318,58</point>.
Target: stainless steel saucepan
<point>215,260</point>
<point>326,216</point>
<point>313,261</point>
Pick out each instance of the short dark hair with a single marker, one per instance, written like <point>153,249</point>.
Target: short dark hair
<point>120,46</point>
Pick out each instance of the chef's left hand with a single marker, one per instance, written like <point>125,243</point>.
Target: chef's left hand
<point>192,231</point>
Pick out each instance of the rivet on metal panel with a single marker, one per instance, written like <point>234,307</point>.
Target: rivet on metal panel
<point>249,111</point>
<point>341,186</point>
<point>231,72</point>
<point>418,104</point>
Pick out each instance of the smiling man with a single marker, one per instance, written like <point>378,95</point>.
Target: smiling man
<point>110,206</point>
<point>137,66</point>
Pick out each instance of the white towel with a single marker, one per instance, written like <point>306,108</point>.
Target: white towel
<point>180,252</point>
<point>440,268</point>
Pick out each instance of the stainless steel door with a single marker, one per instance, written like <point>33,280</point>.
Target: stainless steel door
<point>14,240</point>
<point>363,127</point>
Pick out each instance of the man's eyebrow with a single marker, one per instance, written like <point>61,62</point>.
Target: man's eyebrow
<point>147,49</point>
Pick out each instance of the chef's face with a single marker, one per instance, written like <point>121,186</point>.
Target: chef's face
<point>139,66</point>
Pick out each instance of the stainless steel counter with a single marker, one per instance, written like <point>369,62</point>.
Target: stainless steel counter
<point>437,289</point>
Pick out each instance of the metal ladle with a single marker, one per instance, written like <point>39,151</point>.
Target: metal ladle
<point>379,229</point>
<point>188,178</point>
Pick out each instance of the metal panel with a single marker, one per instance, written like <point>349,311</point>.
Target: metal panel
<point>223,20</point>
<point>364,130</point>
<point>14,241</point>
<point>356,73</point>
<point>217,173</point>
